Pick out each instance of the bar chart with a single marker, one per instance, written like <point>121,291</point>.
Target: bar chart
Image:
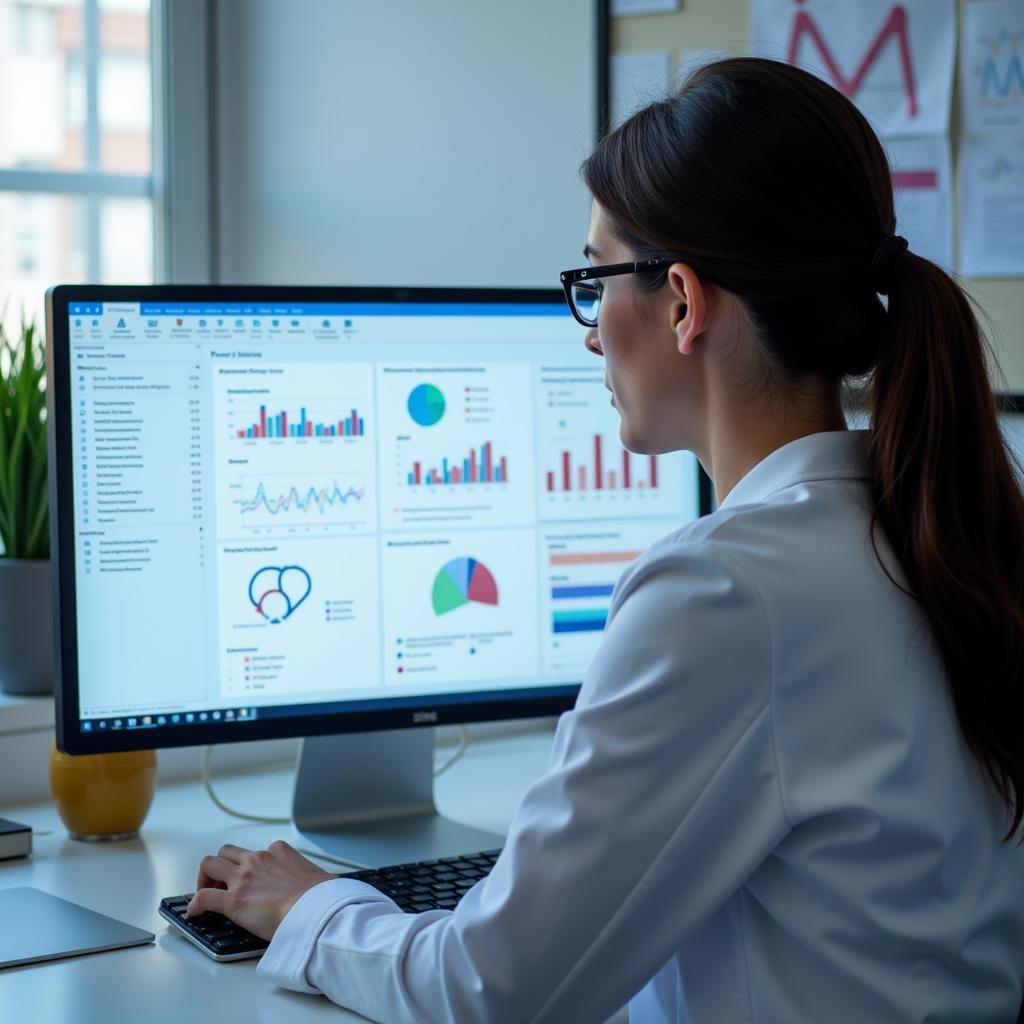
<point>597,474</point>
<point>478,467</point>
<point>582,586</point>
<point>455,444</point>
<point>299,424</point>
<point>584,471</point>
<point>582,565</point>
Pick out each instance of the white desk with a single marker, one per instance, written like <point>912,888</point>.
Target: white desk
<point>172,981</point>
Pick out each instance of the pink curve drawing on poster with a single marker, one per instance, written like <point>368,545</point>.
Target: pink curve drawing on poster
<point>895,24</point>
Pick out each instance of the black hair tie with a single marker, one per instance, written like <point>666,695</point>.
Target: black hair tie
<point>884,261</point>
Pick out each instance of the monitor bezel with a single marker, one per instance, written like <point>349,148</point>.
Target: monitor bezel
<point>70,738</point>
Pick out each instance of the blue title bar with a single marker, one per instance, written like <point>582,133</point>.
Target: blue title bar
<point>355,309</point>
<point>351,309</point>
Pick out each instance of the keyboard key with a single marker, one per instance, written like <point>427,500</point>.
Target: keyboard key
<point>234,944</point>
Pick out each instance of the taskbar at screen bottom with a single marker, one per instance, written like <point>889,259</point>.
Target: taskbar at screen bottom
<point>222,716</point>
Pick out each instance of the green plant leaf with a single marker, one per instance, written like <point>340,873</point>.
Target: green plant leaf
<point>24,501</point>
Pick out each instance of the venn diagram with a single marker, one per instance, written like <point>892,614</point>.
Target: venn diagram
<point>277,591</point>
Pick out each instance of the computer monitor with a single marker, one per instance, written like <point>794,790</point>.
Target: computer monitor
<point>322,512</point>
<point>1011,422</point>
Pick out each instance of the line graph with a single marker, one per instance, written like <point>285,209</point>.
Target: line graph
<point>279,500</point>
<point>996,83</point>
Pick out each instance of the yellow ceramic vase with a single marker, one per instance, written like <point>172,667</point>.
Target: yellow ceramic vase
<point>103,797</point>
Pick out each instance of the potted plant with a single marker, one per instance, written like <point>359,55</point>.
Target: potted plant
<point>26,614</point>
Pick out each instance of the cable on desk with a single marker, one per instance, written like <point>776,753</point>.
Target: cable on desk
<point>459,751</point>
<point>208,786</point>
<point>208,782</point>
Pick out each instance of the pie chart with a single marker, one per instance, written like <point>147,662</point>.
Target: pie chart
<point>426,404</point>
<point>463,581</point>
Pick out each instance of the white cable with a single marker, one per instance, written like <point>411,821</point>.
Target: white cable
<point>208,785</point>
<point>208,782</point>
<point>459,751</point>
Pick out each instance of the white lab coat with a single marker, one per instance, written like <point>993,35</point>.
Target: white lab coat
<point>760,810</point>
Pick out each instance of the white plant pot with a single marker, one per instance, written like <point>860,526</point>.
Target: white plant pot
<point>26,626</point>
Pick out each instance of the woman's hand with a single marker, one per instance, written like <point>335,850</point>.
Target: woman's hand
<point>254,888</point>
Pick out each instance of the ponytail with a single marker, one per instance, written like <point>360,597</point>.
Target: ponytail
<point>946,497</point>
<point>773,186</point>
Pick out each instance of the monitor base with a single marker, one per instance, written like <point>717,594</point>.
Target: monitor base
<point>368,799</point>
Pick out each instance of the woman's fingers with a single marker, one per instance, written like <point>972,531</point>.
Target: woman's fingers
<point>214,900</point>
<point>215,873</point>
<point>235,854</point>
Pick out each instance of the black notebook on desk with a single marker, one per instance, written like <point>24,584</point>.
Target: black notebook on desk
<point>35,925</point>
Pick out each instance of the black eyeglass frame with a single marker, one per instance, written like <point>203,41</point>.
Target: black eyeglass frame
<point>584,274</point>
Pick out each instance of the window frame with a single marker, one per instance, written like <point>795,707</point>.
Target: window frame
<point>91,184</point>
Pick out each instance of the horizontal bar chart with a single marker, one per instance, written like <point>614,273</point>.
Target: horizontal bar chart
<point>583,590</point>
<point>582,584</point>
<point>579,620</point>
<point>592,557</point>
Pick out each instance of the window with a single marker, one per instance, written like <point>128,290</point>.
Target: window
<point>76,164</point>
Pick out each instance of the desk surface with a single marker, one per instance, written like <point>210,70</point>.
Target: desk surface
<point>173,981</point>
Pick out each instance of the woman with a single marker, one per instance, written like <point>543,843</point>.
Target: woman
<point>793,784</point>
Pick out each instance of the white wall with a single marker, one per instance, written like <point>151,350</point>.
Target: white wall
<point>402,142</point>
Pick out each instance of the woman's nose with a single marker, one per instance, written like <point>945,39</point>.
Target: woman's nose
<point>592,342</point>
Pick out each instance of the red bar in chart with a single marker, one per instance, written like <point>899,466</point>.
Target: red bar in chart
<point>581,478</point>
<point>925,179</point>
<point>475,468</point>
<point>277,426</point>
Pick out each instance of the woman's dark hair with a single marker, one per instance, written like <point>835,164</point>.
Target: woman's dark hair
<point>773,186</point>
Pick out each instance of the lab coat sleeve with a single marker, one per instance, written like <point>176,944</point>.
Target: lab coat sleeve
<point>661,798</point>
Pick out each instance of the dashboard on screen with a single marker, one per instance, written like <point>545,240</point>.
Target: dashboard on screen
<point>302,507</point>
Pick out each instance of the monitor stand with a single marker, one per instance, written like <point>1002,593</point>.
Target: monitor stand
<point>368,799</point>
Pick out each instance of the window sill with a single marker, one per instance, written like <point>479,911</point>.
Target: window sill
<point>25,714</point>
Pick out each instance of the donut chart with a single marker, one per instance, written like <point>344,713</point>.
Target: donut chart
<point>463,581</point>
<point>426,404</point>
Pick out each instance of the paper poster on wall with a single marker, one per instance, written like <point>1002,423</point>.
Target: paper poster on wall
<point>894,60</point>
<point>638,79</point>
<point>621,7</point>
<point>690,60</point>
<point>992,66</point>
<point>922,182</point>
<point>992,205</point>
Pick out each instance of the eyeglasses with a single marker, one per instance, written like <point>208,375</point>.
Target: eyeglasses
<point>583,287</point>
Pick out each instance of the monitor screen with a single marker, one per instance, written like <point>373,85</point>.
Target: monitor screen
<point>1011,422</point>
<point>293,507</point>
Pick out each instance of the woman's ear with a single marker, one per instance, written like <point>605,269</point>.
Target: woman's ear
<point>687,306</point>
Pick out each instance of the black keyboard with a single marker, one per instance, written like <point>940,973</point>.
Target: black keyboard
<point>424,885</point>
<point>214,934</point>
